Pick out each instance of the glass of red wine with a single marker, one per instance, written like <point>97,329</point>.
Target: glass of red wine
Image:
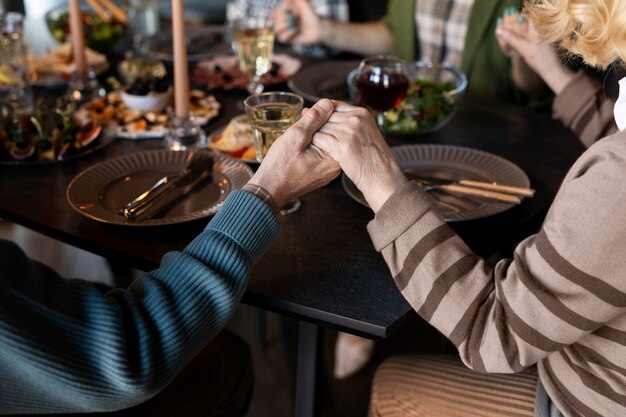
<point>381,83</point>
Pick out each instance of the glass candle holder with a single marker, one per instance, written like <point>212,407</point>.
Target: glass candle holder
<point>185,135</point>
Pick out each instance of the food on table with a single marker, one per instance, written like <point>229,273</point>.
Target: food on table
<point>7,75</point>
<point>146,86</point>
<point>237,139</point>
<point>59,63</point>
<point>101,34</point>
<point>131,122</point>
<point>426,104</point>
<point>223,72</point>
<point>49,134</point>
<point>147,95</point>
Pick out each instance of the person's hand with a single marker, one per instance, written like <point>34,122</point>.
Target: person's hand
<point>352,138</point>
<point>293,166</point>
<point>519,40</point>
<point>296,22</point>
<point>510,21</point>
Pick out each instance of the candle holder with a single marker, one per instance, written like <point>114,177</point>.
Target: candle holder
<point>85,87</point>
<point>185,135</point>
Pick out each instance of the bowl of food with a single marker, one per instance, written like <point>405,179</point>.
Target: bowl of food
<point>433,96</point>
<point>147,94</point>
<point>102,32</point>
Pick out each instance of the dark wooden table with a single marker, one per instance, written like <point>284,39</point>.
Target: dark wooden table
<point>323,269</point>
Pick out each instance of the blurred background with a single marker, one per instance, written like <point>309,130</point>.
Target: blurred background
<point>197,12</point>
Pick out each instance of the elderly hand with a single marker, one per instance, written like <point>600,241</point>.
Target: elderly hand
<point>295,21</point>
<point>519,40</point>
<point>293,166</point>
<point>352,138</point>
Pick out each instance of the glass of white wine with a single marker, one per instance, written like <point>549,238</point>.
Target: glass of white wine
<point>253,40</point>
<point>270,115</point>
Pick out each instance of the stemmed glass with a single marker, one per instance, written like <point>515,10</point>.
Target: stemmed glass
<point>270,115</point>
<point>253,37</point>
<point>382,83</point>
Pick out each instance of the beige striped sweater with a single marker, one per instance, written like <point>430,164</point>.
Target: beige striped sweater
<point>559,303</point>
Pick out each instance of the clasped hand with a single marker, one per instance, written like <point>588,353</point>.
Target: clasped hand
<point>329,137</point>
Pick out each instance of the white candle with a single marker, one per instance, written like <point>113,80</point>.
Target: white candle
<point>78,37</point>
<point>181,70</point>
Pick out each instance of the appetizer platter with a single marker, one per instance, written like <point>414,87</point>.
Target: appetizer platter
<point>133,123</point>
<point>236,139</point>
<point>49,135</point>
<point>223,72</point>
<point>55,68</point>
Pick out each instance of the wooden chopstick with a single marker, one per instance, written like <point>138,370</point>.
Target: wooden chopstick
<point>474,191</point>
<point>526,192</point>
<point>116,12</point>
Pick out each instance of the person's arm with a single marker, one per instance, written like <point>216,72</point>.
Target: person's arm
<point>561,285</point>
<point>583,106</point>
<point>67,348</point>
<point>296,22</point>
<point>580,102</point>
<point>372,38</point>
<point>537,68</point>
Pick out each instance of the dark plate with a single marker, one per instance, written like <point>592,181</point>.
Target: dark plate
<point>202,43</point>
<point>454,163</point>
<point>323,80</point>
<point>99,191</point>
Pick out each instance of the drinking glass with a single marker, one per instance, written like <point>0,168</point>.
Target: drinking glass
<point>253,40</point>
<point>143,18</point>
<point>15,92</point>
<point>270,115</point>
<point>381,83</point>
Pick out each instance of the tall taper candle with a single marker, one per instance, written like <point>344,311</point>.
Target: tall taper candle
<point>181,70</point>
<point>78,37</point>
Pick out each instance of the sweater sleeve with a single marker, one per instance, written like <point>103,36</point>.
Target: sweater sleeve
<point>583,107</point>
<point>66,347</point>
<point>562,284</point>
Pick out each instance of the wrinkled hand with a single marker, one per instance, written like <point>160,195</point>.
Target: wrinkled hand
<point>293,166</point>
<point>296,22</point>
<point>353,139</point>
<point>517,37</point>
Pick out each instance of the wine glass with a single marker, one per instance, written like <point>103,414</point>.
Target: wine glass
<point>381,83</point>
<point>253,40</point>
<point>270,115</point>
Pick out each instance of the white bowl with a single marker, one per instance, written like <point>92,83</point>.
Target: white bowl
<point>151,102</point>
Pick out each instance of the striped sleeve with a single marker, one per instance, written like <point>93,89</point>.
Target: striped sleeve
<point>561,285</point>
<point>584,107</point>
<point>66,347</point>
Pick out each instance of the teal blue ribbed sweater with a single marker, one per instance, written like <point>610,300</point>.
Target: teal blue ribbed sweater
<point>65,347</point>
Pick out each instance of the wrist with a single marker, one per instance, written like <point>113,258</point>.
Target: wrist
<point>377,194</point>
<point>558,78</point>
<point>262,194</point>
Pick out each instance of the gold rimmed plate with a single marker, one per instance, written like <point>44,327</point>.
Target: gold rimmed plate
<point>100,191</point>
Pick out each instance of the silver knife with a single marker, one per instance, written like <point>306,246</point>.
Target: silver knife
<point>197,169</point>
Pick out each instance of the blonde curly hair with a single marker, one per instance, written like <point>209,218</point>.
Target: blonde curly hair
<point>593,29</point>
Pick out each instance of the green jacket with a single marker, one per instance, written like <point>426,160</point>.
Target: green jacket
<point>487,68</point>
